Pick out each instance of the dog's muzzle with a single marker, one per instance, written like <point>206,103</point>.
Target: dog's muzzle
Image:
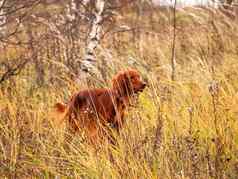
<point>141,88</point>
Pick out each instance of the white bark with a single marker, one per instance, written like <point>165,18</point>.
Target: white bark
<point>3,17</point>
<point>88,64</point>
<point>71,10</point>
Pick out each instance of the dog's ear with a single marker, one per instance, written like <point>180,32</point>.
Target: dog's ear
<point>121,83</point>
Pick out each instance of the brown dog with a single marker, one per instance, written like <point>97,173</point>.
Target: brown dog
<point>94,110</point>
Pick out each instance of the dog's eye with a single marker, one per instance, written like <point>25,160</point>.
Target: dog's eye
<point>133,78</point>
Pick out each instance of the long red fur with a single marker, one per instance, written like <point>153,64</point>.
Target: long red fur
<point>93,110</point>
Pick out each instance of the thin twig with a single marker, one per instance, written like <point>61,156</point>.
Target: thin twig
<point>173,42</point>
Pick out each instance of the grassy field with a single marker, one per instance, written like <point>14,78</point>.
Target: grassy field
<point>186,128</point>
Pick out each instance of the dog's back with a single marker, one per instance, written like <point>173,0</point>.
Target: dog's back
<point>98,102</point>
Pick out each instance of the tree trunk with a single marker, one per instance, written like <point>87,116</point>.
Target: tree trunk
<point>88,66</point>
<point>3,17</point>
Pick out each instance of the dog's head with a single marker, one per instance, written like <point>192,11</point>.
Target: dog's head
<point>128,82</point>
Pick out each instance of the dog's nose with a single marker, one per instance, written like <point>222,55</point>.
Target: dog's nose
<point>144,84</point>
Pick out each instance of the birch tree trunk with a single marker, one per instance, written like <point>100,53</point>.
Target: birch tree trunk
<point>71,10</point>
<point>88,66</point>
<point>3,17</point>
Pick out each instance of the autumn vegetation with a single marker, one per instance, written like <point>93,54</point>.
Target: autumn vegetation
<point>185,127</point>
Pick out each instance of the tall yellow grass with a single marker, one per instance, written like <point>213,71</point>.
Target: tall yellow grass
<point>185,128</point>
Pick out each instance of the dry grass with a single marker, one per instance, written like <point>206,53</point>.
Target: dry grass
<point>185,128</point>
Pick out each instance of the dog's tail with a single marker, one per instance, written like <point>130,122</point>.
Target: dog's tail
<point>59,113</point>
<point>61,110</point>
<point>60,107</point>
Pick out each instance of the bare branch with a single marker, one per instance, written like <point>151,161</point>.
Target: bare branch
<point>13,71</point>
